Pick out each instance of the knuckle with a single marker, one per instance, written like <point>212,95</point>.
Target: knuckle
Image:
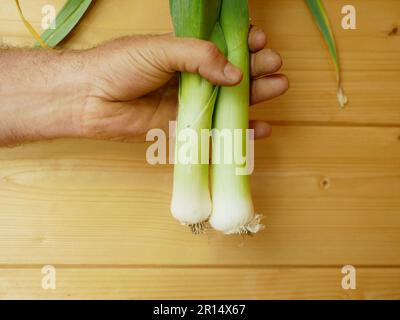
<point>212,51</point>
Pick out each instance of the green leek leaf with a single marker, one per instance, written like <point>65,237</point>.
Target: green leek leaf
<point>69,16</point>
<point>318,11</point>
<point>29,26</point>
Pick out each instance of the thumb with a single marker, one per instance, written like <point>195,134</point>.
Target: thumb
<point>197,56</point>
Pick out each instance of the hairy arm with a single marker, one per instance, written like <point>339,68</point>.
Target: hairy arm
<point>41,94</point>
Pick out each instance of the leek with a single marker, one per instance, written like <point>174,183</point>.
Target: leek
<point>233,211</point>
<point>191,201</point>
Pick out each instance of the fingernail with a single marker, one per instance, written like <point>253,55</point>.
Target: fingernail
<point>260,34</point>
<point>232,73</point>
<point>260,31</point>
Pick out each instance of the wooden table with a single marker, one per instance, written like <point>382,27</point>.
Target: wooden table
<point>327,181</point>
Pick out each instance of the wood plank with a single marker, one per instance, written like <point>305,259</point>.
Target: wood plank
<point>194,283</point>
<point>330,196</point>
<point>371,68</point>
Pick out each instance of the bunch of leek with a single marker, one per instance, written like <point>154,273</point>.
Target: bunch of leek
<point>226,23</point>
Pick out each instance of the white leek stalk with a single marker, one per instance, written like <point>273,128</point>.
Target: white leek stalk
<point>191,202</point>
<point>233,211</point>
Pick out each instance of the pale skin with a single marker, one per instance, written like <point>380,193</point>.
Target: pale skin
<point>118,90</point>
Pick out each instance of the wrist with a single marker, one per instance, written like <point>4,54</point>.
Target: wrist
<point>67,96</point>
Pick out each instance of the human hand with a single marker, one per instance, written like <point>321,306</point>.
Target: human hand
<point>134,82</point>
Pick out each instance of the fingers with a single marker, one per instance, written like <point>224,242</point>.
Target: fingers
<point>257,39</point>
<point>268,87</point>
<point>196,56</point>
<point>265,62</point>
<point>261,129</point>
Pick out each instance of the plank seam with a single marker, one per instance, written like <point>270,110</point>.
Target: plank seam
<point>154,266</point>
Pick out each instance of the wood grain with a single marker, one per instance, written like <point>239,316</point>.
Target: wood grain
<point>328,181</point>
<point>330,195</point>
<point>195,283</point>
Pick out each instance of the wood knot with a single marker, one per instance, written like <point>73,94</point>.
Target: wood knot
<point>394,31</point>
<point>42,239</point>
<point>325,183</point>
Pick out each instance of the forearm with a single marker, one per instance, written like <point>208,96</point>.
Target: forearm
<point>41,94</point>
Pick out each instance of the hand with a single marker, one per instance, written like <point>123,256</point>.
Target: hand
<point>134,82</point>
<point>118,90</point>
